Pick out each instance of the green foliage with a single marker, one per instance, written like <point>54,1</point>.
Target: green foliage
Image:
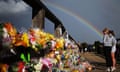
<point>38,46</point>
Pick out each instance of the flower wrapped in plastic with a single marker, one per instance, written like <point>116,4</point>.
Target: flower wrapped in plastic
<point>49,36</point>
<point>25,39</point>
<point>59,43</point>
<point>3,67</point>
<point>6,39</point>
<point>11,30</point>
<point>75,70</point>
<point>47,62</point>
<point>43,34</point>
<point>38,66</point>
<point>42,41</point>
<point>20,43</point>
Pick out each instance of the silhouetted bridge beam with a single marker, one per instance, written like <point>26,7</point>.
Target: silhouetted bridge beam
<point>40,11</point>
<point>37,6</point>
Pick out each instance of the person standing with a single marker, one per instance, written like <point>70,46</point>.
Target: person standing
<point>114,41</point>
<point>107,48</point>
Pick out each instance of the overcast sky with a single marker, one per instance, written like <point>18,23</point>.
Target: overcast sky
<point>76,15</point>
<point>79,15</point>
<point>17,12</point>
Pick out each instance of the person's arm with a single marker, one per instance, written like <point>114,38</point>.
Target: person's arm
<point>105,38</point>
<point>114,42</point>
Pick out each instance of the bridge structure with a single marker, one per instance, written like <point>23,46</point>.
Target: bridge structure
<point>40,12</point>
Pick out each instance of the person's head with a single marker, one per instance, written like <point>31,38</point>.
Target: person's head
<point>105,31</point>
<point>111,32</point>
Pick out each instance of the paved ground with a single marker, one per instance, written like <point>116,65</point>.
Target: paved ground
<point>98,62</point>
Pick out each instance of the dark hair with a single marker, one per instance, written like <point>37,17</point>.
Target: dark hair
<point>112,32</point>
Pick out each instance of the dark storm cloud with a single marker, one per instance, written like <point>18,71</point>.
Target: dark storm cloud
<point>17,12</point>
<point>12,6</point>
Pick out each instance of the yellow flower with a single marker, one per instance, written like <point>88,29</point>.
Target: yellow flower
<point>25,38</point>
<point>60,43</point>
<point>42,41</point>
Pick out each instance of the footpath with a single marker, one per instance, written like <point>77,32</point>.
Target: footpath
<point>98,62</point>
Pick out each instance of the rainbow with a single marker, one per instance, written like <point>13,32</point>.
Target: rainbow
<point>78,17</point>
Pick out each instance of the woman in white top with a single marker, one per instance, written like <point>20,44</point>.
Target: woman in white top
<point>108,44</point>
<point>113,50</point>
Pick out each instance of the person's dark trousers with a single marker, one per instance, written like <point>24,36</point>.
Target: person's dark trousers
<point>108,57</point>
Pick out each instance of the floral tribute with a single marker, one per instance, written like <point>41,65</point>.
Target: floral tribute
<point>37,51</point>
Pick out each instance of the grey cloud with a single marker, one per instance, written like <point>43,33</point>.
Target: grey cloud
<point>12,6</point>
